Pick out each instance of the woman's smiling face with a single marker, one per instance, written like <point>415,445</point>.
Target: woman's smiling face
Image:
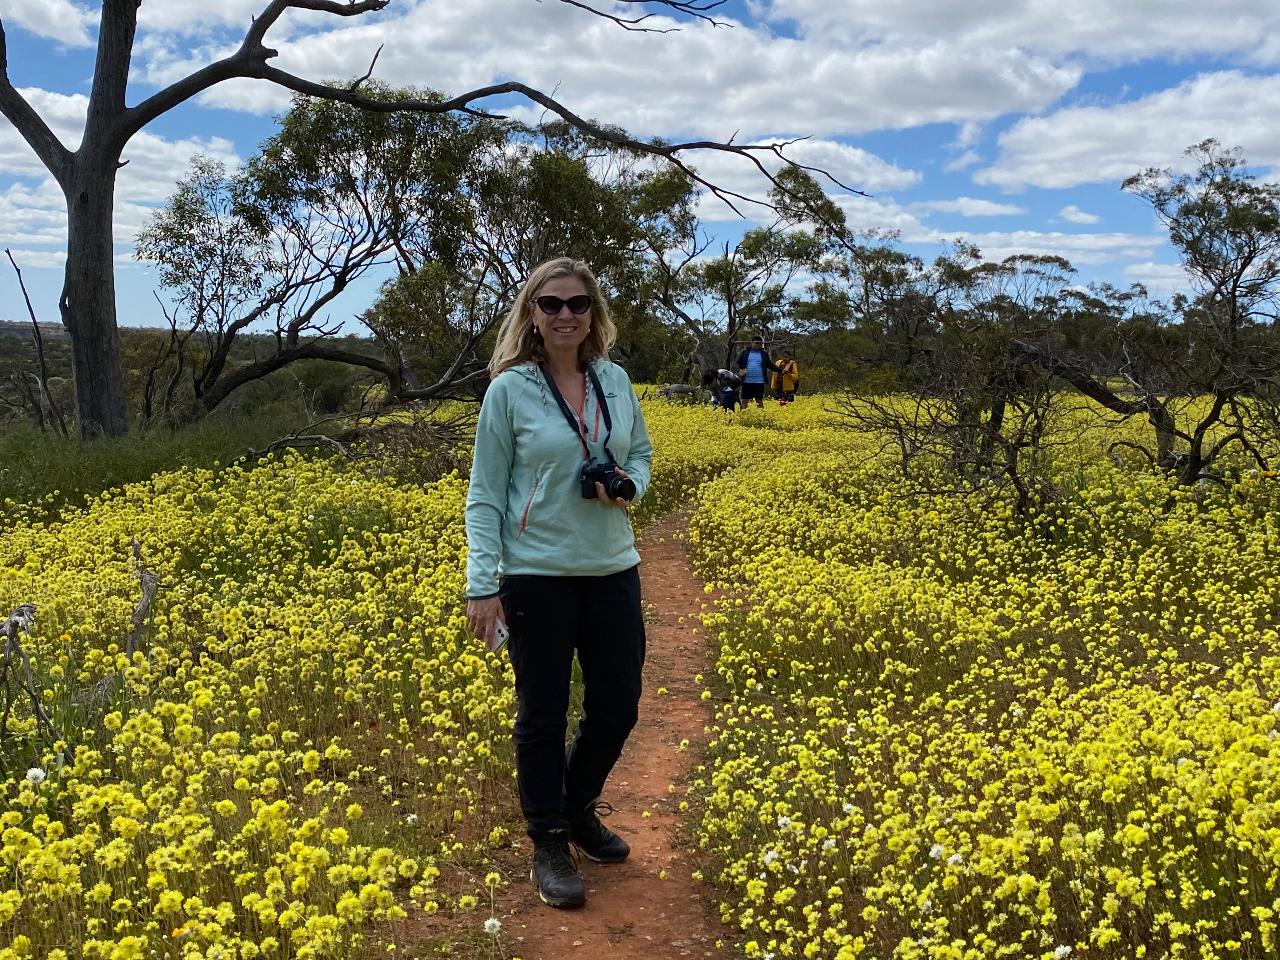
<point>562,330</point>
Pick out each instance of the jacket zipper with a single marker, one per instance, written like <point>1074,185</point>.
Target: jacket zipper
<point>528,505</point>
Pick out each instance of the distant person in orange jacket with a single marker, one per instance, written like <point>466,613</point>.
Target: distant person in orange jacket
<point>786,379</point>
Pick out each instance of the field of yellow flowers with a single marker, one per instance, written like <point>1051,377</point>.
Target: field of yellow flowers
<point>943,731</point>
<point>305,737</point>
<point>947,732</point>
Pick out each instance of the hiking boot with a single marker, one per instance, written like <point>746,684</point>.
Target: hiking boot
<point>593,838</point>
<point>555,873</point>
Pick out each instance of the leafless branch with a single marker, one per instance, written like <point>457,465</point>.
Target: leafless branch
<point>150,583</point>
<point>355,84</point>
<point>39,343</point>
<point>250,61</point>
<point>1111,451</point>
<point>699,11</point>
<point>15,657</point>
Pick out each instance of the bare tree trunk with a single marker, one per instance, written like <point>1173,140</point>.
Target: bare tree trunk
<point>88,302</point>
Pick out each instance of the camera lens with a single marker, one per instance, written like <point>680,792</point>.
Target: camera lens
<point>623,487</point>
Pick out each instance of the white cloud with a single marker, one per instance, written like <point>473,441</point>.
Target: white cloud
<point>155,165</point>
<point>33,215</point>
<point>888,217</point>
<point>33,209</point>
<point>964,161</point>
<point>969,207</point>
<point>968,135</point>
<point>1108,143</point>
<point>854,167</point>
<point>882,216</point>
<point>185,17</point>
<point>62,113</point>
<point>37,260</point>
<point>1091,249</point>
<point>39,215</point>
<point>700,81</point>
<point>1098,30</point>
<point>1162,280</point>
<point>1073,214</point>
<point>60,20</point>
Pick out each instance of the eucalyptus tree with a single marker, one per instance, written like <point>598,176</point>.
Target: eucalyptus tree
<point>973,414</point>
<point>546,192</point>
<point>1207,374</point>
<point>337,192</point>
<point>751,284</point>
<point>459,209</point>
<point>1225,226</point>
<point>87,175</point>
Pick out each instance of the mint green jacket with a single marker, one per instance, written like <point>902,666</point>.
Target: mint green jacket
<point>525,510</point>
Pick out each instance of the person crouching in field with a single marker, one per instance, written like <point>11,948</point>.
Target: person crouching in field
<point>561,452</point>
<point>723,385</point>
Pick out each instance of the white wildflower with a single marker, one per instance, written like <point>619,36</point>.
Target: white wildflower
<point>828,844</point>
<point>770,856</point>
<point>955,860</point>
<point>35,776</point>
<point>936,851</point>
<point>784,822</point>
<point>492,926</point>
<point>1061,952</point>
<point>411,819</point>
<point>847,808</point>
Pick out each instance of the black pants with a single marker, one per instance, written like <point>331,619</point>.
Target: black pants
<point>549,618</point>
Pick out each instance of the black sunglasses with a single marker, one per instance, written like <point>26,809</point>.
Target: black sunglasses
<point>552,305</point>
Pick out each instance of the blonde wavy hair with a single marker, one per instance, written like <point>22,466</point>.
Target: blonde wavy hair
<point>518,339</point>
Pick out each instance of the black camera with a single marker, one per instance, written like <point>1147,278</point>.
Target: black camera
<point>615,484</point>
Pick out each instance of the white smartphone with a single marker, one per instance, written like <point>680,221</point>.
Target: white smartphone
<point>500,635</point>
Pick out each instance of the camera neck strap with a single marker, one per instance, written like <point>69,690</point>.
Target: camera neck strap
<point>577,426</point>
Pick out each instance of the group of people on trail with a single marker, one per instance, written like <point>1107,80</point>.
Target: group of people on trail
<point>730,390</point>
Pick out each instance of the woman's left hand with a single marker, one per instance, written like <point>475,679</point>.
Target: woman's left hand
<point>616,501</point>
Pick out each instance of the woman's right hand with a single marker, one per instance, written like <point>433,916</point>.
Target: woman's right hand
<point>482,618</point>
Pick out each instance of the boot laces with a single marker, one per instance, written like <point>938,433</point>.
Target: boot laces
<point>559,857</point>
<point>590,818</point>
<point>600,808</point>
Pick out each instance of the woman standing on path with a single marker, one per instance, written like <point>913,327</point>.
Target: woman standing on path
<point>552,560</point>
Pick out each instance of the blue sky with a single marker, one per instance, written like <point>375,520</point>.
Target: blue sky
<point>1008,123</point>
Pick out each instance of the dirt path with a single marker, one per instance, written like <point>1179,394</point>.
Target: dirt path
<point>631,910</point>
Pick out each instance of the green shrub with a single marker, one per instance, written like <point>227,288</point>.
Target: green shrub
<point>46,472</point>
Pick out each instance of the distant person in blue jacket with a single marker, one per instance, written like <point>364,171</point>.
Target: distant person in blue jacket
<point>561,452</point>
<point>754,367</point>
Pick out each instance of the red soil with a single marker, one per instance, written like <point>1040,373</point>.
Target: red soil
<point>631,910</point>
